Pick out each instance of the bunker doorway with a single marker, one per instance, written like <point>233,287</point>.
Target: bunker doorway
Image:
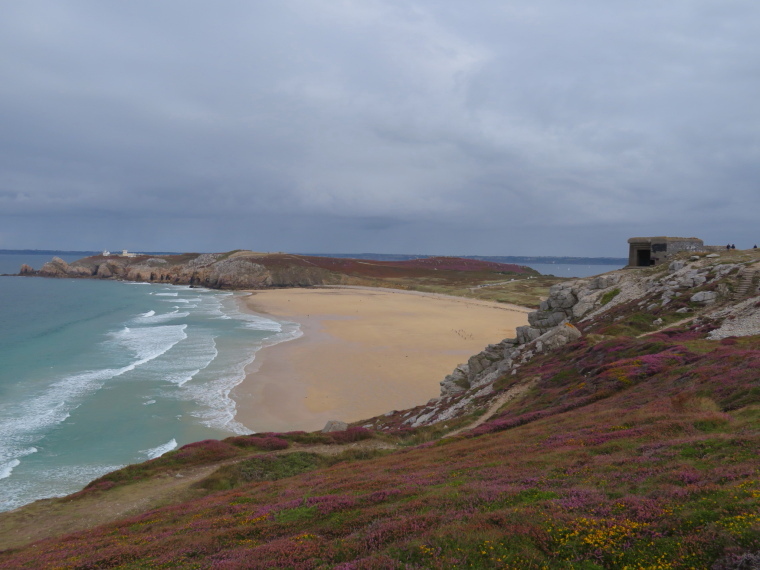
<point>644,258</point>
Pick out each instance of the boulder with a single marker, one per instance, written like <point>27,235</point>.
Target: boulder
<point>456,382</point>
<point>603,281</point>
<point>103,271</point>
<point>26,270</point>
<point>583,306</point>
<point>334,425</point>
<point>55,268</point>
<point>704,297</point>
<point>526,334</point>
<point>676,266</point>
<point>562,300</point>
<point>545,320</point>
<point>557,337</point>
<point>692,279</point>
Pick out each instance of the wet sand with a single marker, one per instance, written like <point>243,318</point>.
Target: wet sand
<point>363,352</point>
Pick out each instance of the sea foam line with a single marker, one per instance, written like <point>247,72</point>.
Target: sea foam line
<point>23,422</point>
<point>220,408</point>
<point>161,449</point>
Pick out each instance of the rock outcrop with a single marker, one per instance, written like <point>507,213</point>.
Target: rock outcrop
<point>687,285</point>
<point>334,425</point>
<point>237,270</point>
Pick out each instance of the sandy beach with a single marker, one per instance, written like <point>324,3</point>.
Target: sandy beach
<point>364,352</point>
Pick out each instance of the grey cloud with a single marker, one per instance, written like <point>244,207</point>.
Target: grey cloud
<point>485,127</point>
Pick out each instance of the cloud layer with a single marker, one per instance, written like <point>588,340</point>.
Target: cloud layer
<point>528,127</point>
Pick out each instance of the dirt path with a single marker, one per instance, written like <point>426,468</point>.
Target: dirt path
<point>56,517</point>
<point>507,396</point>
<point>670,326</point>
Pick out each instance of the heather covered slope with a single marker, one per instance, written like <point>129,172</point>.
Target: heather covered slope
<point>612,450</point>
<point>627,452</point>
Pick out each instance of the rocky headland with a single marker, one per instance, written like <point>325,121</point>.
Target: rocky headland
<point>250,270</point>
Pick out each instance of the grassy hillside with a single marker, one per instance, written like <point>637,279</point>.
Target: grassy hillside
<point>639,453</point>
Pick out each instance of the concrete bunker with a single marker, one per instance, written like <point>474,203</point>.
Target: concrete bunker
<point>647,251</point>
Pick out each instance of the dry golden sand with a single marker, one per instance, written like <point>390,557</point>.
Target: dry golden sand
<point>364,352</point>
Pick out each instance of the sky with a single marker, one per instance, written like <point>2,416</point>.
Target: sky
<point>528,127</point>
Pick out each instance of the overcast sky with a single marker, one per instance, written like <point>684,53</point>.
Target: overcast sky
<point>528,127</point>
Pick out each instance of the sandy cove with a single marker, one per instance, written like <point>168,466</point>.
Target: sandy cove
<point>364,351</point>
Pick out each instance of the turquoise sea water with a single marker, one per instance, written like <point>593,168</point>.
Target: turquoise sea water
<point>99,374</point>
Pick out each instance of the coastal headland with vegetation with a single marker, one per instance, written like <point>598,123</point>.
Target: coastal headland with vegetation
<point>616,425</point>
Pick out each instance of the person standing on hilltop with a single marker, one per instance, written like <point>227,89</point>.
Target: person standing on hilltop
<point>733,246</point>
<point>728,246</point>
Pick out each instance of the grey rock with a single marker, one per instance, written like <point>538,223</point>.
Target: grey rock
<point>334,425</point>
<point>683,310</point>
<point>712,255</point>
<point>526,334</point>
<point>562,300</point>
<point>544,320</point>
<point>704,297</point>
<point>603,281</point>
<point>557,337</point>
<point>676,265</point>
<point>692,279</point>
<point>583,307</point>
<point>456,382</point>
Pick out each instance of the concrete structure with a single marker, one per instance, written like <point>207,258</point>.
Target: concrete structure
<point>646,251</point>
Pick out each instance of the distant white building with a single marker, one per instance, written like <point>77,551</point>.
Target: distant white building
<point>125,253</point>
<point>106,253</point>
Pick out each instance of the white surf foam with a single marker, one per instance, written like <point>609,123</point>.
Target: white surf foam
<point>149,402</point>
<point>56,482</point>
<point>146,343</point>
<point>161,449</point>
<point>7,468</point>
<point>151,318</point>
<point>214,392</point>
<point>23,423</point>
<point>251,321</point>
<point>166,294</point>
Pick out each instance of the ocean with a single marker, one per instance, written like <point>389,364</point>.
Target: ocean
<point>571,269</point>
<point>95,375</point>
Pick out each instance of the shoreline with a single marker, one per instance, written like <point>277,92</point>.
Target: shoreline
<point>364,351</point>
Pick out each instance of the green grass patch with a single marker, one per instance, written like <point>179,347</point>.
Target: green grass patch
<point>298,514</point>
<point>609,295</point>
